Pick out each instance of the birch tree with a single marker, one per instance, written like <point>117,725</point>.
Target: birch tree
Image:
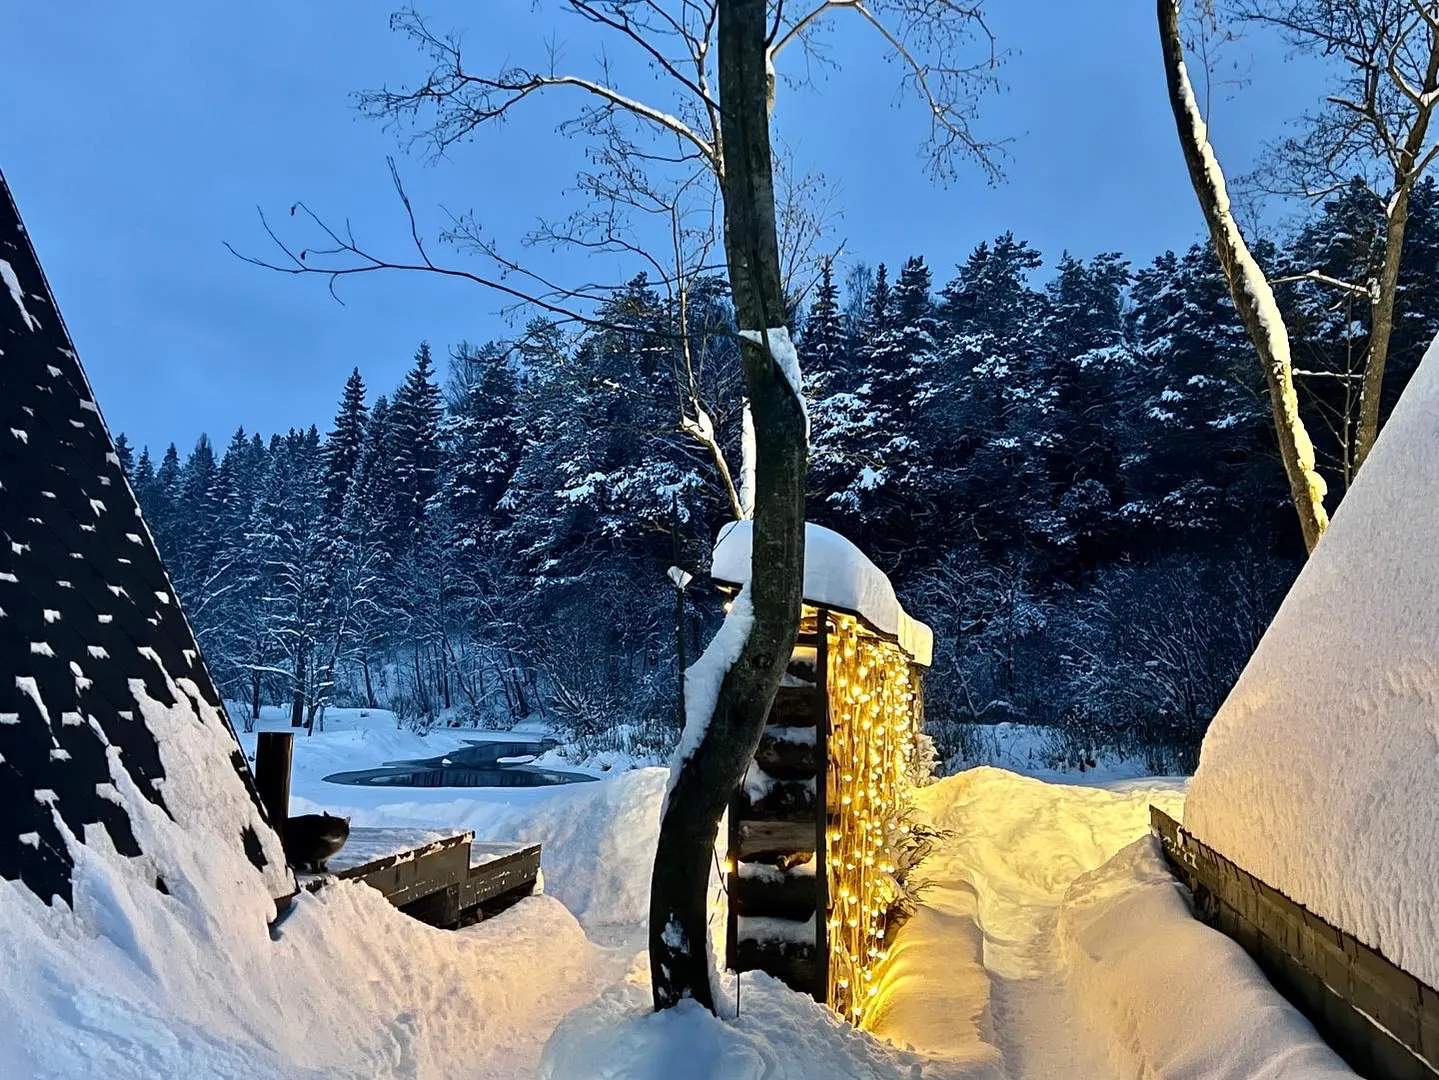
<point>1375,126</point>
<point>1248,286</point>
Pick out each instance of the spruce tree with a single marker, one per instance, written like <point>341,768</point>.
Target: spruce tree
<point>344,444</point>
<point>414,433</point>
<point>125,453</point>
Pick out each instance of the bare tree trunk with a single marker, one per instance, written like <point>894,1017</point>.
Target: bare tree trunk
<point>254,694</point>
<point>1381,326</point>
<point>1248,286</point>
<point>370,701</point>
<point>678,924</point>
<point>297,704</point>
<point>1396,219</point>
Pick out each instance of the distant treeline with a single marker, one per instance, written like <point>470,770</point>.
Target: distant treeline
<point>1074,482</point>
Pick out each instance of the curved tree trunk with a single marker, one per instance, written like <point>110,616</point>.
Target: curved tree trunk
<point>678,928</point>
<point>1248,286</point>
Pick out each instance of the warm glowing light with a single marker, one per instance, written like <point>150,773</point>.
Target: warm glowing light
<point>873,722</point>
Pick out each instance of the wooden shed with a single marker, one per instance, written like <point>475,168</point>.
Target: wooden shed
<point>819,837</point>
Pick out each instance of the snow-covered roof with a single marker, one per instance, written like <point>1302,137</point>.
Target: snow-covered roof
<point>836,575</point>
<point>1320,774</point>
<point>110,726</point>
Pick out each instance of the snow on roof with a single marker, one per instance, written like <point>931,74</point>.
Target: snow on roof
<point>109,720</point>
<point>837,575</point>
<point>1320,774</point>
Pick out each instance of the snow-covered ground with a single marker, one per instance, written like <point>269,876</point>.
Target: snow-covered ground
<point>1050,944</point>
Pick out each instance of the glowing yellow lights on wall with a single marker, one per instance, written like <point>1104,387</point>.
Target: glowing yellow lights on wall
<point>873,720</point>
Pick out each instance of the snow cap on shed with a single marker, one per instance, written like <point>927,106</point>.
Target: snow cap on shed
<point>836,575</point>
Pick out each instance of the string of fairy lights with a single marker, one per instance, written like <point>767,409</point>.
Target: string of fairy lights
<point>873,705</point>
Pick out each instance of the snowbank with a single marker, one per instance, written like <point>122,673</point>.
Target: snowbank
<point>1051,941</point>
<point>135,983</point>
<point>837,574</point>
<point>778,1035</point>
<point>1017,843</point>
<point>1319,774</point>
<point>1168,997</point>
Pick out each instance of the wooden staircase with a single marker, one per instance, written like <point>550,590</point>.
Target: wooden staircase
<point>777,905</point>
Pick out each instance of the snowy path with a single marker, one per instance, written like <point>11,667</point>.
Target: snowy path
<point>977,985</point>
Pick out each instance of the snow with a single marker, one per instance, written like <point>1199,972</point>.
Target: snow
<point>1318,773</point>
<point>1049,944</point>
<point>134,983</point>
<point>782,351</point>
<point>748,461</point>
<point>1040,751</point>
<point>778,1035</point>
<point>704,676</point>
<point>836,574</point>
<point>12,283</point>
<point>1176,999</point>
<point>367,845</point>
<point>767,928</point>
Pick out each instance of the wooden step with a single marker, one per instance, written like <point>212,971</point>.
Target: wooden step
<point>792,962</point>
<point>795,706</point>
<point>774,839</point>
<point>785,800</point>
<point>761,889</point>
<point>788,753</point>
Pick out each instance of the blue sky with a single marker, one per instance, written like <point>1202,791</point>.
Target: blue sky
<point>137,139</point>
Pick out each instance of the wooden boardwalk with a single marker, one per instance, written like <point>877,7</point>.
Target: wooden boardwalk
<point>441,877</point>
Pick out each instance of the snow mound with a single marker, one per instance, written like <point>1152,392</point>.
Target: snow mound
<point>1319,774</point>
<point>779,1035</point>
<point>598,845</point>
<point>597,840</point>
<point>836,574</point>
<point>1168,997</point>
<point>136,984</point>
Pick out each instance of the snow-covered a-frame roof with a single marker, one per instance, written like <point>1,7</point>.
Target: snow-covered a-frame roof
<point>112,736</point>
<point>837,575</point>
<point>1320,773</point>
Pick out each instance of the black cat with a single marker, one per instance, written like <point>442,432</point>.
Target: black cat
<point>310,840</point>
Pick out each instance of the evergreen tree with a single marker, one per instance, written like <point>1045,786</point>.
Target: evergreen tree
<point>479,437</point>
<point>414,432</point>
<point>823,344</point>
<point>343,446</point>
<point>125,453</point>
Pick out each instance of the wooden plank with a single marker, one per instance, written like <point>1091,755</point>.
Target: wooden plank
<point>785,758</point>
<point>405,880</point>
<point>440,908</point>
<point>342,866</point>
<point>774,838</point>
<point>790,962</point>
<point>794,706</point>
<point>512,873</point>
<point>770,891</point>
<point>1378,1017</point>
<point>786,800</point>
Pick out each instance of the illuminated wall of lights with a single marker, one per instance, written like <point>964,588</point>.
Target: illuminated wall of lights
<point>873,719</point>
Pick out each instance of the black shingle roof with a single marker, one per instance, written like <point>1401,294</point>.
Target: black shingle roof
<point>87,615</point>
